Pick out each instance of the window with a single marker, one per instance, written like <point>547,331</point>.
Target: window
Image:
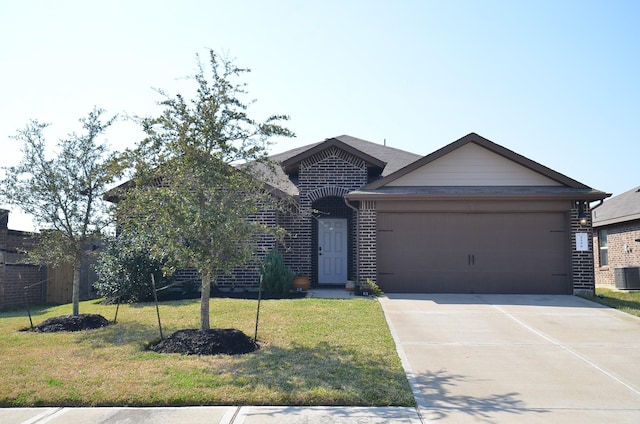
<point>604,248</point>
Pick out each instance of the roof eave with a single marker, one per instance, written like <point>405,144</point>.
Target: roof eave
<point>617,220</point>
<point>363,195</point>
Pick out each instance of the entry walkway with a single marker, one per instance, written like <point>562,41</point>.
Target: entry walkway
<point>517,358</point>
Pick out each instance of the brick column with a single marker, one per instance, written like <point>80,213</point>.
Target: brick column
<point>582,261</point>
<point>367,242</point>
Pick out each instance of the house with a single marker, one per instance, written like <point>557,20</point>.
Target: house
<point>471,217</point>
<point>616,241</point>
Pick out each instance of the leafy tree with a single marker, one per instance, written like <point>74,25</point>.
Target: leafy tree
<point>190,190</point>
<point>63,194</point>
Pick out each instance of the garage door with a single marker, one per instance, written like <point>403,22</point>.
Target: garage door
<point>473,253</point>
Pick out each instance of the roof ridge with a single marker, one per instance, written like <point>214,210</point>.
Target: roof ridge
<point>376,144</point>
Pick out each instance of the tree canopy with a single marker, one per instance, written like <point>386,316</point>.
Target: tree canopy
<point>190,190</point>
<point>63,193</point>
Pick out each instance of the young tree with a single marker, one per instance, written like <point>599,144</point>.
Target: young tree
<point>63,194</point>
<point>190,189</point>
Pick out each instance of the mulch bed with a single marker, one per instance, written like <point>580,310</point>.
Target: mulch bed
<point>71,323</point>
<point>217,341</point>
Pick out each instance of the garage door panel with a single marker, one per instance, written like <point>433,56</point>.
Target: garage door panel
<point>473,252</point>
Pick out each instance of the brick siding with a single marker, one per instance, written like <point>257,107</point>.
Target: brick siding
<point>623,250</point>
<point>329,174</point>
<point>367,242</point>
<point>581,261</point>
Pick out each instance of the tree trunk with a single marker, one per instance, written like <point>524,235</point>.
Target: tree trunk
<point>204,302</point>
<point>75,295</point>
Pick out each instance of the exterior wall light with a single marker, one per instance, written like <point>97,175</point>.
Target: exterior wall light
<point>582,213</point>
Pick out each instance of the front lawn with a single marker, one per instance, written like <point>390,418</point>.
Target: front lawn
<point>628,302</point>
<point>314,352</point>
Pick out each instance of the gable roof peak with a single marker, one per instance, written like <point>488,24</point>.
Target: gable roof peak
<point>292,163</point>
<point>489,145</point>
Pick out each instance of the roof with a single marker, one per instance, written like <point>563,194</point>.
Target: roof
<point>489,145</point>
<point>292,164</point>
<point>382,159</point>
<point>393,158</point>
<point>624,207</point>
<point>566,187</point>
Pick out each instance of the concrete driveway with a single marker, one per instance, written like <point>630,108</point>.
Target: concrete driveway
<point>517,358</point>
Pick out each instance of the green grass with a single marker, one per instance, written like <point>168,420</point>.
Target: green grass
<point>628,302</point>
<point>314,352</point>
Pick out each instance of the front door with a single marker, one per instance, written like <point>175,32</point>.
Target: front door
<point>332,250</point>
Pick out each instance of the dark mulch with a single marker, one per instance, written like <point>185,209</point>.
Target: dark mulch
<point>227,341</point>
<point>71,323</point>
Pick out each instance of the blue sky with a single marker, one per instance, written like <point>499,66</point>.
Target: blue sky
<point>554,81</point>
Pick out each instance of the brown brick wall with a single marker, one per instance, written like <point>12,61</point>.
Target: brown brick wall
<point>623,250</point>
<point>581,261</point>
<point>328,174</point>
<point>367,242</point>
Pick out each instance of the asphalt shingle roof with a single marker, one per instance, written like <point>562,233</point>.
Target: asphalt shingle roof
<point>394,159</point>
<point>621,208</point>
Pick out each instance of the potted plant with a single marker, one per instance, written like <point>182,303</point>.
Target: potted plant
<point>301,282</point>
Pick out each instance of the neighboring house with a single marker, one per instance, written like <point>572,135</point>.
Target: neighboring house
<point>44,284</point>
<point>616,241</point>
<point>472,217</point>
<point>14,274</point>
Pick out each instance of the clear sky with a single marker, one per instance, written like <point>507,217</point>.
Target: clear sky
<point>556,81</point>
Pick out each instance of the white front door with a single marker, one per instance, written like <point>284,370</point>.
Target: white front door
<point>332,250</point>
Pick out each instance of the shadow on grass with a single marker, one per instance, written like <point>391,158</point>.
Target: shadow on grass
<point>119,334</point>
<point>21,311</point>
<point>436,399</point>
<point>322,374</point>
<point>241,295</point>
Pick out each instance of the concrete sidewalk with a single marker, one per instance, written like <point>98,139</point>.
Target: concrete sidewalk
<point>210,415</point>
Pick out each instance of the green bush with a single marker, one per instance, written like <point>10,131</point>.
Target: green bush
<point>371,288</point>
<point>124,270</point>
<point>276,277</point>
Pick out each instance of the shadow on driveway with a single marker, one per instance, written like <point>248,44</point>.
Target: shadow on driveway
<point>436,400</point>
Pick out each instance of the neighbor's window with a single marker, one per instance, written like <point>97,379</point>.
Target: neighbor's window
<point>604,248</point>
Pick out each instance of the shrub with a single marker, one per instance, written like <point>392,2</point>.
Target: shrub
<point>124,270</point>
<point>371,288</point>
<point>276,277</point>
